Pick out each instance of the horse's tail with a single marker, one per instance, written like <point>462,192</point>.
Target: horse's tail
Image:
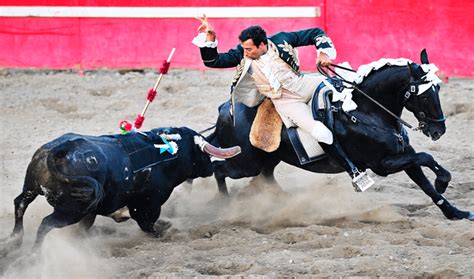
<point>84,188</point>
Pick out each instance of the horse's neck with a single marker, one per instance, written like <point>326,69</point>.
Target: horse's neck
<point>386,87</point>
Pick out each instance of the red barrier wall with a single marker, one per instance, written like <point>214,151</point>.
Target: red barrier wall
<point>362,31</point>
<point>366,30</point>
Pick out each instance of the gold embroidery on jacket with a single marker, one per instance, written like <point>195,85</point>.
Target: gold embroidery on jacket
<point>291,51</point>
<point>238,71</point>
<point>323,40</point>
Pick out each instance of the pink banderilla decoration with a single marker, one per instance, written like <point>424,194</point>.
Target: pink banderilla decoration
<point>125,126</point>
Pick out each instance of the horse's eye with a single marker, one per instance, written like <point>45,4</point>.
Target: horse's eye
<point>422,114</point>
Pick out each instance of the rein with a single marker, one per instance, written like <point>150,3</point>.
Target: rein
<point>354,86</point>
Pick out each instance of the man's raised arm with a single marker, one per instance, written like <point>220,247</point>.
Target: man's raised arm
<point>207,43</point>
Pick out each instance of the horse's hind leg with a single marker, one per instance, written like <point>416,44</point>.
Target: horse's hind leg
<point>268,171</point>
<point>450,211</point>
<point>267,177</point>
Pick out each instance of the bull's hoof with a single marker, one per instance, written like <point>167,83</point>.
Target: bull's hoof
<point>161,227</point>
<point>121,215</point>
<point>10,244</point>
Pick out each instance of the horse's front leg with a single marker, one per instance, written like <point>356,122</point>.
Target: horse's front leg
<point>410,159</point>
<point>450,211</point>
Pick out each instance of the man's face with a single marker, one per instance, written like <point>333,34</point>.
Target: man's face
<point>252,51</point>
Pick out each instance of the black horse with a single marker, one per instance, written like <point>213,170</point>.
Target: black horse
<point>370,136</point>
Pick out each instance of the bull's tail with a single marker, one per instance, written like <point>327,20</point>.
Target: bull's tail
<point>84,189</point>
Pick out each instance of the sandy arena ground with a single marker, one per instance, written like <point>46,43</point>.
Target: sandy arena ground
<point>321,227</point>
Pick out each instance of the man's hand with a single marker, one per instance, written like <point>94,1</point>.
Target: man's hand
<point>323,60</point>
<point>207,28</point>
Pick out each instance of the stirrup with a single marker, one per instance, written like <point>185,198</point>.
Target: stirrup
<point>362,181</point>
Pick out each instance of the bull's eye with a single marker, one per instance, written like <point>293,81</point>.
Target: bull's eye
<point>422,114</point>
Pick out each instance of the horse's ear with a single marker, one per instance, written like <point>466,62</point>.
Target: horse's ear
<point>424,57</point>
<point>410,68</point>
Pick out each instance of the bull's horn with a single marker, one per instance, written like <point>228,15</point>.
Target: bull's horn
<point>221,153</point>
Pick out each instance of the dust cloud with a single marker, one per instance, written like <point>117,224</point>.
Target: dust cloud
<point>308,225</point>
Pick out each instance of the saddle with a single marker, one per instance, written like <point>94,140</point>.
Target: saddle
<point>265,133</point>
<point>321,106</point>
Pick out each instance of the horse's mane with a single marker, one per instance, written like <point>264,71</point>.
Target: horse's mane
<point>377,66</point>
<point>386,74</point>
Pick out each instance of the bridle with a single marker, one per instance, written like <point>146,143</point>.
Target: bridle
<point>413,89</point>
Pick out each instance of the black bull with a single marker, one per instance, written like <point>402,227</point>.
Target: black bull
<point>84,176</point>
<point>375,140</point>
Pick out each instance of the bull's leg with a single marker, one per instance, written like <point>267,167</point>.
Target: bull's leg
<point>402,162</point>
<point>450,211</point>
<point>146,214</point>
<point>57,219</point>
<point>16,237</point>
<point>21,203</point>
<point>87,222</point>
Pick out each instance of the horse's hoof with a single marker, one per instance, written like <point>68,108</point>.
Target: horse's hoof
<point>470,217</point>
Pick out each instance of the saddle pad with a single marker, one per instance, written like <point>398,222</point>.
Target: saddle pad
<point>306,147</point>
<point>266,127</point>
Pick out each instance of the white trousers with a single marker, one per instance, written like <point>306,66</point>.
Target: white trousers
<point>293,106</point>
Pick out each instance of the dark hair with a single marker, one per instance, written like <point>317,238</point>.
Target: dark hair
<point>256,33</point>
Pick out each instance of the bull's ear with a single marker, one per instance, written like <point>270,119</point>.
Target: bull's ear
<point>424,57</point>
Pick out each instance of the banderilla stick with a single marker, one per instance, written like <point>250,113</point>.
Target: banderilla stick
<point>124,125</point>
<point>160,77</point>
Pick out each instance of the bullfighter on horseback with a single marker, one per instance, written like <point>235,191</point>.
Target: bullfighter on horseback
<point>271,65</point>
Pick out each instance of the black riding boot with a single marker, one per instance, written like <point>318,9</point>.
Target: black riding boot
<point>335,151</point>
<point>360,180</point>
